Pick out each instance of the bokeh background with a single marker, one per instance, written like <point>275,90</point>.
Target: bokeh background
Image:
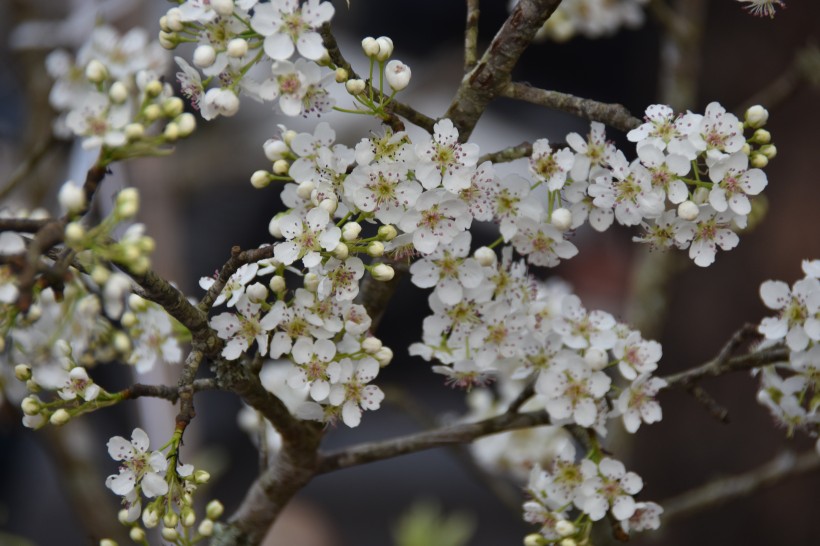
<point>198,203</point>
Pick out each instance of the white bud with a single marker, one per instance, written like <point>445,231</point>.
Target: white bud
<point>762,136</point>
<point>375,249</point>
<point>224,101</point>
<point>30,405</point>
<point>355,86</point>
<point>137,534</point>
<point>59,417</point>
<point>277,283</point>
<point>172,107</point>
<point>758,160</point>
<point>95,71</point>
<point>214,509</point>
<point>127,203</point>
<point>561,218</point>
<point>71,198</point>
<point>273,226</point>
<point>304,189</point>
<point>382,272</point>
<point>169,533</point>
<point>100,274</point>
<point>188,517</point>
<point>222,7</point>
<point>564,528</point>
<point>167,40</point>
<point>341,75</point>
<point>534,540</point>
<point>384,356</point>
<point>371,344</point>
<point>568,542</point>
<point>769,150</point>
<point>187,123</point>
<point>152,112</point>
<point>137,303</point>
<point>341,251</point>
<point>756,116</point>
<point>385,48</point>
<point>387,232</point>
<point>170,519</point>
<point>118,92</point>
<point>746,149</point>
<point>150,517</point>
<point>173,19</point>
<point>485,256</point>
<point>351,230</point>
<point>370,46</point>
<point>288,136</point>
<point>311,282</point>
<point>122,516</point>
<point>256,292</point>
<point>275,149</point>
<point>121,341</point>
<point>171,132</point>
<point>22,372</point>
<point>595,358</point>
<point>200,477</point>
<point>237,48</point>
<point>74,233</point>
<point>397,75</point>
<point>128,319</point>
<point>329,204</point>
<point>206,528</point>
<point>134,131</point>
<point>688,210</point>
<point>281,167</point>
<point>204,56</point>
<point>153,88</point>
<point>701,195</point>
<point>260,179</point>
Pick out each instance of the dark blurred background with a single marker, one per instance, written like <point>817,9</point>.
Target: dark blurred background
<point>203,205</point>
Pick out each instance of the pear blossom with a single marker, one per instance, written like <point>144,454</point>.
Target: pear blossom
<point>761,8</point>
<point>799,306</point>
<point>548,166</point>
<point>710,230</point>
<point>647,515</point>
<point>449,270</point>
<point>306,238</point>
<point>719,133</point>
<point>288,26</point>
<point>153,340</point>
<point>350,389</point>
<point>240,329</point>
<point>444,161</point>
<point>734,182</point>
<point>140,470</point>
<point>311,359</point>
<point>79,384</point>
<point>637,402</point>
<point>571,389</point>
<point>437,217</point>
<point>542,244</point>
<point>608,485</point>
<point>636,355</point>
<point>665,131</point>
<point>590,154</point>
<point>234,289</point>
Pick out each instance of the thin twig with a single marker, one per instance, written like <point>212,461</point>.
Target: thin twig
<point>727,489</point>
<point>508,154</point>
<point>238,259</point>
<point>614,115</point>
<point>471,36</point>
<point>805,67</point>
<point>27,165</point>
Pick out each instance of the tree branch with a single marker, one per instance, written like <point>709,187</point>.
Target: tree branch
<point>27,165</point>
<point>471,35</point>
<point>238,259</point>
<point>724,490</point>
<point>508,154</point>
<point>444,436</point>
<point>614,115</point>
<point>492,73</point>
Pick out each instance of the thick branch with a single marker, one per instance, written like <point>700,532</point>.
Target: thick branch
<point>614,115</point>
<point>724,490</point>
<point>492,73</point>
<point>444,436</point>
<point>508,154</point>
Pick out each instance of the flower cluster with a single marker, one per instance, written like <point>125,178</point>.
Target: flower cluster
<point>111,95</point>
<point>245,47</point>
<point>790,389</point>
<point>594,487</point>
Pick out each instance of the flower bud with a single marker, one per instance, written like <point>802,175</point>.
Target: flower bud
<point>370,46</point>
<point>351,230</point>
<point>355,86</point>
<point>341,251</point>
<point>256,292</point>
<point>564,528</point>
<point>371,344</point>
<point>561,218</point>
<point>95,71</point>
<point>167,40</point>
<point>701,195</point>
<point>121,341</point>
<point>137,534</point>
<point>150,517</point>
<point>281,167</point>
<point>118,92</point>
<point>74,232</point>
<point>688,210</point>
<point>170,519</point>
<point>214,509</point>
<point>222,7</point>
<point>288,136</point>
<point>108,542</point>
<point>127,203</point>
<point>206,528</point>
<point>375,249</point>
<point>761,136</point>
<point>201,476</point>
<point>485,256</point>
<point>273,226</point>
<point>122,516</point>
<point>30,405</point>
<point>173,19</point>
<point>188,517</point>
<point>260,179</point>
<point>171,132</point>
<point>397,75</point>
<point>329,204</point>
<point>304,189</point>
<point>758,160</point>
<point>153,88</point>
<point>384,356</point>
<point>71,198</point>
<point>311,282</point>
<point>169,533</point>
<point>134,131</point>
<point>756,116</point>
<point>237,48</point>
<point>746,149</point>
<point>277,284</point>
<point>204,56</point>
<point>534,540</point>
<point>22,372</point>
<point>59,417</point>
<point>152,112</point>
<point>769,150</point>
<point>224,101</point>
<point>382,272</point>
<point>595,358</point>
<point>387,232</point>
<point>385,48</point>
<point>568,542</point>
<point>187,124</point>
<point>341,75</point>
<point>275,149</point>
